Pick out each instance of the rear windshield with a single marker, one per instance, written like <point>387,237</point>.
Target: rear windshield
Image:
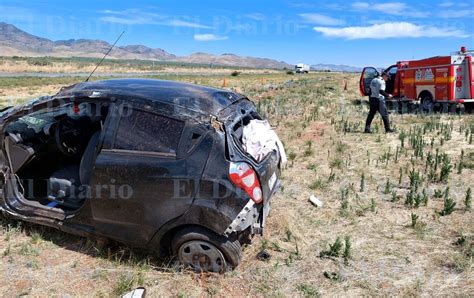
<point>237,130</point>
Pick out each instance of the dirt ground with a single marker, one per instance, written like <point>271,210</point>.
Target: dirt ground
<point>394,237</point>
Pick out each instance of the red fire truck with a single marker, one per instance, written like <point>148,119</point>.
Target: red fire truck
<point>433,82</point>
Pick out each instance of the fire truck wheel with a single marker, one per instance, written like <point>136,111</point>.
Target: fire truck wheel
<point>469,107</point>
<point>427,104</point>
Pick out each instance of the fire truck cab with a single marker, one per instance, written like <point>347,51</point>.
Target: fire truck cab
<point>433,82</point>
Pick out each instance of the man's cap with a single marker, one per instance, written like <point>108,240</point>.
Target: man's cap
<point>386,73</point>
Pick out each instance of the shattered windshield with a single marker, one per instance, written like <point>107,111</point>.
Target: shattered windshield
<point>37,120</point>
<point>5,110</point>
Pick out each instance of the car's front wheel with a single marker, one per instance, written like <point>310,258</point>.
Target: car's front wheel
<point>203,250</point>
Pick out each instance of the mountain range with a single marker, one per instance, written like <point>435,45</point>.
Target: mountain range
<point>16,42</point>
<point>336,67</point>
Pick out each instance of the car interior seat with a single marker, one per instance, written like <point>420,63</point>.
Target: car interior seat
<point>65,185</point>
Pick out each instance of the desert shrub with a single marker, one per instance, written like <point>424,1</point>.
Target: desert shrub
<point>128,281</point>
<point>344,201</point>
<point>39,62</point>
<point>438,193</point>
<point>347,254</point>
<point>468,199</point>
<point>308,290</point>
<point>336,163</point>
<point>309,150</point>
<point>317,184</point>
<point>334,249</point>
<point>387,188</point>
<point>414,218</point>
<point>446,169</point>
<point>448,207</point>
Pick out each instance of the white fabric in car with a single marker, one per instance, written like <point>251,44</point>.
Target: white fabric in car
<point>259,139</point>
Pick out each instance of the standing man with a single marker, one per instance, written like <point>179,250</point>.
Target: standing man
<point>377,102</point>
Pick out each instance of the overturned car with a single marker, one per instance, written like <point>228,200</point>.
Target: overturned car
<point>155,164</point>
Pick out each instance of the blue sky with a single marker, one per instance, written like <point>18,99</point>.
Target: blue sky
<point>359,32</point>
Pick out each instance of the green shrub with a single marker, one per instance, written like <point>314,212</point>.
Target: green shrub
<point>334,249</point>
<point>446,169</point>
<point>468,199</point>
<point>448,207</point>
<point>414,218</point>
<point>347,254</point>
<point>362,183</point>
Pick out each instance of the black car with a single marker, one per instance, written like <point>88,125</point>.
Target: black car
<point>151,163</point>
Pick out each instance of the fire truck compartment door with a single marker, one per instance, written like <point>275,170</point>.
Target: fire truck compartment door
<point>368,73</point>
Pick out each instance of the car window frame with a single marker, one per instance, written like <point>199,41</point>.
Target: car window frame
<point>390,68</point>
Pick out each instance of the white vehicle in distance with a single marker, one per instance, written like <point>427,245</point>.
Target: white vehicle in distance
<point>301,68</point>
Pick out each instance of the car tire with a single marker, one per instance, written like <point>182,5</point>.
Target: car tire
<point>427,104</point>
<point>468,107</point>
<point>203,250</point>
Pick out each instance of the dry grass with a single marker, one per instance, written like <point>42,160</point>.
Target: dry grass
<point>388,255</point>
<point>68,66</point>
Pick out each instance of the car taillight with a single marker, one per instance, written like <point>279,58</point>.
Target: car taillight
<point>459,83</point>
<point>244,176</point>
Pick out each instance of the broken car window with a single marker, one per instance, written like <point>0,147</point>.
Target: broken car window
<point>144,131</point>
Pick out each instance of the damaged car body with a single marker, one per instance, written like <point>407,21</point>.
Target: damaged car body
<point>150,163</point>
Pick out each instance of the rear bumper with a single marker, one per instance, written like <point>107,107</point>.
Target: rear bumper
<point>252,216</point>
<point>247,218</point>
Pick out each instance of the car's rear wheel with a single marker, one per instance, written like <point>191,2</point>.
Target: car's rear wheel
<point>203,250</point>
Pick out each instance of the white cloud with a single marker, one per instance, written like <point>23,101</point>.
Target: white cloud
<point>181,23</point>
<point>209,37</point>
<point>389,30</point>
<point>139,17</point>
<point>125,20</point>
<point>316,18</point>
<point>129,17</point>
<point>453,13</point>
<point>446,4</point>
<point>360,5</point>
<point>390,8</point>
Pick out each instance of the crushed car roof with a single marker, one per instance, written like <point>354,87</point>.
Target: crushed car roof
<point>195,97</point>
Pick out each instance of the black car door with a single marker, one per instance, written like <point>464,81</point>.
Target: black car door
<point>391,86</point>
<point>139,182</point>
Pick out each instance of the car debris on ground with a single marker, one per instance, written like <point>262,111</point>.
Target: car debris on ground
<point>315,201</point>
<point>264,255</point>
<point>136,293</point>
